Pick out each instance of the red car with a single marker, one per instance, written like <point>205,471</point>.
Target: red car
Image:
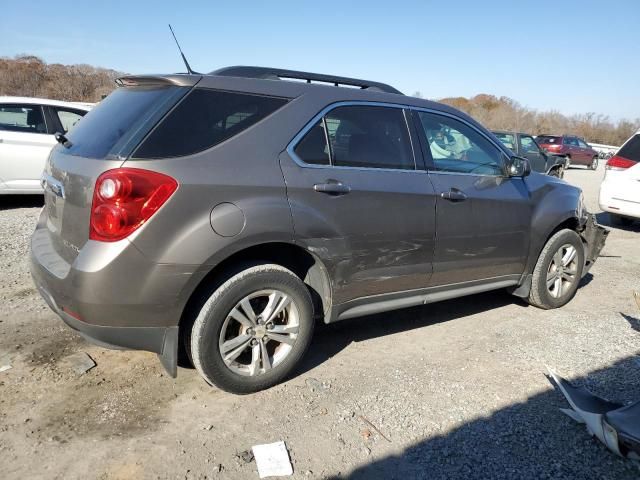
<point>574,149</point>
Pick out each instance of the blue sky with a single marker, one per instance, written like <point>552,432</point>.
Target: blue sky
<point>572,56</point>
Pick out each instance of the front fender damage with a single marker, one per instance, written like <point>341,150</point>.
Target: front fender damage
<point>594,237</point>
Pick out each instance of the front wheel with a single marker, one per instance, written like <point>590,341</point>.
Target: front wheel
<point>558,271</point>
<point>253,330</point>
<point>594,164</point>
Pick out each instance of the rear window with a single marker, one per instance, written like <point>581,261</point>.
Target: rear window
<point>548,140</point>
<point>631,149</point>
<point>116,125</point>
<point>204,119</point>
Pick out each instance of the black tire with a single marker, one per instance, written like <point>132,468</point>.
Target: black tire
<point>594,164</point>
<point>540,295</point>
<point>207,328</point>
<point>620,220</point>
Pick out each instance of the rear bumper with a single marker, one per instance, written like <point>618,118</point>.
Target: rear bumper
<point>595,237</point>
<point>160,340</point>
<point>113,295</point>
<point>611,202</point>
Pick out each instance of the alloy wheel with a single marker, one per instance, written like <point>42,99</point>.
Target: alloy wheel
<point>563,270</point>
<point>259,332</point>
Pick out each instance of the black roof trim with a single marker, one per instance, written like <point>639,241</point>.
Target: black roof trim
<point>279,74</point>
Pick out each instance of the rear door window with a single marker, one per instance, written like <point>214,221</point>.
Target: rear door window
<point>313,147</point>
<point>582,144</point>
<point>22,118</point>
<point>206,118</point>
<point>631,149</point>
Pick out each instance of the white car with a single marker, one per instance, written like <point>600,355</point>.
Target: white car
<point>27,127</point>
<point>620,188</point>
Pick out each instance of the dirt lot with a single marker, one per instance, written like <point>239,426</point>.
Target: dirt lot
<point>457,387</point>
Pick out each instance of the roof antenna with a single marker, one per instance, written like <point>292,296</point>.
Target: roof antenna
<point>184,59</point>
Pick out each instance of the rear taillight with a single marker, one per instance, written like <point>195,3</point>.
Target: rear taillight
<point>125,198</point>
<point>619,163</point>
<point>553,147</point>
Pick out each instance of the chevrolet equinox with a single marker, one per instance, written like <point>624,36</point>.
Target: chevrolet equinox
<point>220,215</point>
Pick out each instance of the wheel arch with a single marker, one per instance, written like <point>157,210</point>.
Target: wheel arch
<point>303,263</point>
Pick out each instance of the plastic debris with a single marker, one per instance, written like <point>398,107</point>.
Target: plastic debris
<point>615,425</point>
<point>272,460</point>
<point>4,368</point>
<point>79,362</point>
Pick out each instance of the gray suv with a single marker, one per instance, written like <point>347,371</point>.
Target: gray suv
<point>218,216</point>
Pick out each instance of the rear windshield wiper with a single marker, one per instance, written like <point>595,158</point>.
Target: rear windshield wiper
<point>63,140</point>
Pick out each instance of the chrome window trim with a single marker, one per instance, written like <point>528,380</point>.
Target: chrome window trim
<point>320,115</point>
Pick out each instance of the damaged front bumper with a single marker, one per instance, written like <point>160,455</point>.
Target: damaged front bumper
<point>594,236</point>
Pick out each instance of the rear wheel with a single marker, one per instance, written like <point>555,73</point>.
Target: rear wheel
<point>594,163</point>
<point>558,271</point>
<point>253,330</point>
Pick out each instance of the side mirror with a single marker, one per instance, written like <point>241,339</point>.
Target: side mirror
<point>518,167</point>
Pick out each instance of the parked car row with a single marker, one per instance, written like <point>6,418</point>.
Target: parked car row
<point>27,134</point>
<point>525,145</point>
<point>221,215</point>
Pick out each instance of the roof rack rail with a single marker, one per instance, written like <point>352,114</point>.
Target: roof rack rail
<point>280,74</point>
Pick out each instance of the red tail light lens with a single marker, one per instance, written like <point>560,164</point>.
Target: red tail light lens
<point>125,198</point>
<point>553,147</point>
<point>619,163</point>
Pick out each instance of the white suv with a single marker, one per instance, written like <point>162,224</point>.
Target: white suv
<point>620,189</point>
<point>27,128</point>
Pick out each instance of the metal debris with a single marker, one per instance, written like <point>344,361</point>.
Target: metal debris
<point>4,368</point>
<point>615,425</point>
<point>272,460</point>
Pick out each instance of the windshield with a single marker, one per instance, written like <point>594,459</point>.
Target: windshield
<point>118,123</point>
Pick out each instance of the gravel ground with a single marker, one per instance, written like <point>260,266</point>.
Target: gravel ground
<point>453,390</point>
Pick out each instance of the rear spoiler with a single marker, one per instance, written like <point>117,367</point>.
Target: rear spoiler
<point>179,80</point>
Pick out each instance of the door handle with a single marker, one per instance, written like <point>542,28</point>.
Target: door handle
<point>454,195</point>
<point>332,188</point>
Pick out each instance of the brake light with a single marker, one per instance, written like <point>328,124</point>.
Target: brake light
<point>619,163</point>
<point>124,199</point>
<point>553,147</point>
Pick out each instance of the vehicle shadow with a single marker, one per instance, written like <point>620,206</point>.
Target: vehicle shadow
<point>9,202</point>
<point>633,321</point>
<point>330,339</point>
<point>531,439</point>
<point>604,219</point>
